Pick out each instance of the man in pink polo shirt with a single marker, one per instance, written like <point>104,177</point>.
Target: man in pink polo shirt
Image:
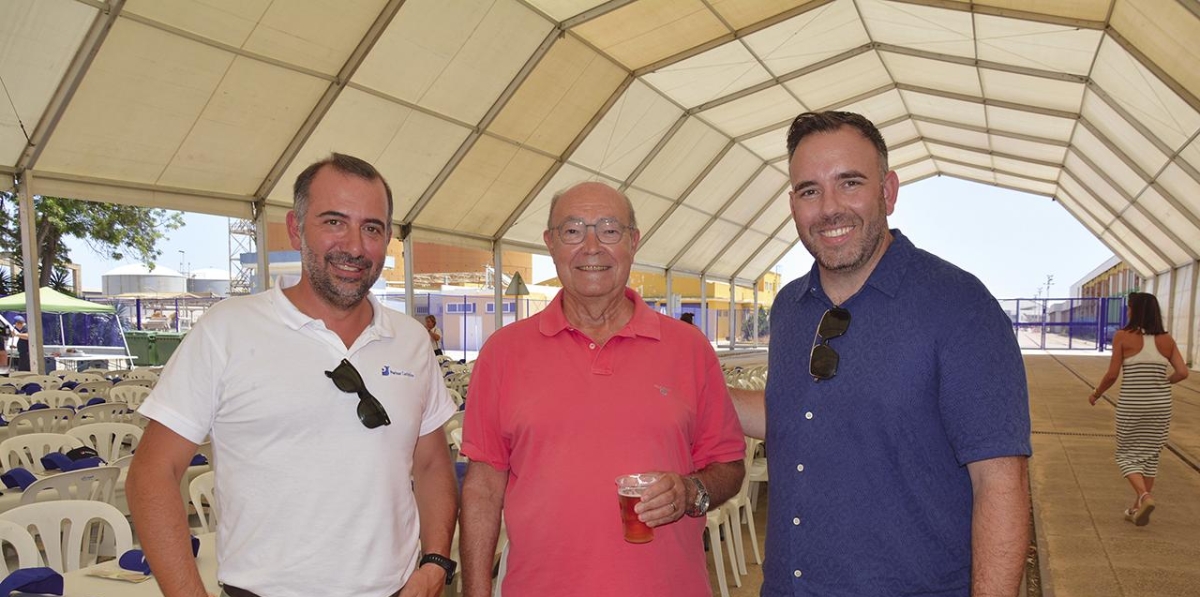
<point>594,387</point>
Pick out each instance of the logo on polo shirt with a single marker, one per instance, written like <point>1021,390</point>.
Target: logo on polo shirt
<point>664,390</point>
<point>387,370</point>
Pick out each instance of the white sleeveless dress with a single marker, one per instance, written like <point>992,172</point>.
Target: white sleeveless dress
<point>1143,410</point>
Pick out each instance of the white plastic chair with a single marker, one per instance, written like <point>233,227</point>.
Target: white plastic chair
<point>202,491</point>
<point>145,383</point>
<point>8,389</point>
<point>45,420</point>
<point>67,533</point>
<point>716,522</point>
<point>57,398</point>
<point>78,377</point>
<point>740,509</point>
<point>22,542</point>
<point>108,439</point>
<point>90,389</point>
<point>48,382</point>
<point>107,412</point>
<point>96,483</point>
<point>132,395</point>
<point>26,451</point>
<point>141,373</point>
<point>12,404</point>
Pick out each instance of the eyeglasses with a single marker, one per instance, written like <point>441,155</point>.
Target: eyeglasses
<point>370,411</point>
<point>608,231</point>
<point>823,360</point>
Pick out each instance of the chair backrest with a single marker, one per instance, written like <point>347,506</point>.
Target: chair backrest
<point>47,382</point>
<point>46,420</point>
<point>96,483</point>
<point>78,377</point>
<point>145,383</point>
<point>66,530</point>
<point>107,412</point>
<point>131,395</point>
<point>203,492</point>
<point>26,451</point>
<point>101,371</point>
<point>141,373</point>
<point>21,374</point>
<point>8,389</point>
<point>22,542</point>
<point>57,398</point>
<point>108,439</point>
<point>455,396</point>
<point>12,404</point>
<point>91,389</point>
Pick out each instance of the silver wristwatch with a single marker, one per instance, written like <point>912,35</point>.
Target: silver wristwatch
<point>700,506</point>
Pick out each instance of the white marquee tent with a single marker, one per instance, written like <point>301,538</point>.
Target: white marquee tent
<point>477,111</point>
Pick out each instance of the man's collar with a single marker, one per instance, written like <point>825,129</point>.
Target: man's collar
<point>296,319</point>
<point>887,275</point>
<point>643,322</point>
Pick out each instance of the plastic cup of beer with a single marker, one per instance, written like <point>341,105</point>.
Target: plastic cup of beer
<point>629,492</point>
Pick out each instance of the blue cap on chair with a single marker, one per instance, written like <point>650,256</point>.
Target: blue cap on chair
<point>39,581</point>
<point>18,477</point>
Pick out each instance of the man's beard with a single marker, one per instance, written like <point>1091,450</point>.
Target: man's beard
<point>339,293</point>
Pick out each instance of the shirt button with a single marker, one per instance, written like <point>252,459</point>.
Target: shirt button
<point>796,521</point>
<point>808,415</point>
<point>800,468</point>
<point>797,573</point>
<point>592,346</point>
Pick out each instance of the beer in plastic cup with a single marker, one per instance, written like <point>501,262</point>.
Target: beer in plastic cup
<point>629,493</point>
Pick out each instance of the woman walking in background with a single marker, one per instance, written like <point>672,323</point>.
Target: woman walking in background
<point>1144,352</point>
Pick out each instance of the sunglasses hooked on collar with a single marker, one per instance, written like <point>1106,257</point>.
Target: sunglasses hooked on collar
<point>347,379</point>
<point>823,359</point>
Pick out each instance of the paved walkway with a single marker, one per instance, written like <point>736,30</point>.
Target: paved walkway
<point>1085,547</point>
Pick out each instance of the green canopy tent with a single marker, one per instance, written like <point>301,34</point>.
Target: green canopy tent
<point>54,301</point>
<point>80,322</point>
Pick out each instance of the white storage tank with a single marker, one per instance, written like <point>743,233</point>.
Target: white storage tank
<point>137,278</point>
<point>209,281</point>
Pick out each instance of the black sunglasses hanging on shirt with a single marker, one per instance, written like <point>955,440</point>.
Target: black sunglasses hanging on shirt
<point>347,379</point>
<point>823,360</point>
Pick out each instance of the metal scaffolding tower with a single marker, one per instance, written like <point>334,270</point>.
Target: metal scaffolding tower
<point>241,240</point>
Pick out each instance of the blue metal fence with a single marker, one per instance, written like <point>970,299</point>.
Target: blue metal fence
<point>1066,323</point>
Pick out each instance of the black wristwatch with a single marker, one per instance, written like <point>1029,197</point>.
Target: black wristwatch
<point>700,506</point>
<point>446,563</point>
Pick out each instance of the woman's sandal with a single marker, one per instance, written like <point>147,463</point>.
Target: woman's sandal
<point>1130,513</point>
<point>1141,517</point>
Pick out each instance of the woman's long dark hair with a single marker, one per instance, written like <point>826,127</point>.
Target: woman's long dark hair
<point>1144,315</point>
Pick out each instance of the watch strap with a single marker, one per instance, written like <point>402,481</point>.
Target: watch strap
<point>440,560</point>
<point>699,507</point>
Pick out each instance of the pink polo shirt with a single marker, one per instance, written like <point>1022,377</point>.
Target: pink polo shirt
<point>565,417</point>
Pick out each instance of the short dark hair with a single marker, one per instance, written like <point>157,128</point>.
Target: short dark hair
<point>346,164</point>
<point>1144,315</point>
<point>830,121</point>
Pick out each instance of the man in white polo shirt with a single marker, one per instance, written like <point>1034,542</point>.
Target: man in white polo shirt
<point>325,411</point>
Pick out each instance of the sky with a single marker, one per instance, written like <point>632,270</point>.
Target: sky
<point>1011,241</point>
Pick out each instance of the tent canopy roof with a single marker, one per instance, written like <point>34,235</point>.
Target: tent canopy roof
<point>54,301</point>
<point>477,112</point>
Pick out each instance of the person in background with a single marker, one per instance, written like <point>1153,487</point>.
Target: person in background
<point>435,334</point>
<point>22,336</point>
<point>687,318</point>
<point>896,411</point>
<point>564,402</point>
<point>325,412</point>
<point>1150,360</point>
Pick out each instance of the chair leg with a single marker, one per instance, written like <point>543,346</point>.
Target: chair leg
<point>735,523</point>
<point>714,541</point>
<point>729,544</point>
<point>753,533</point>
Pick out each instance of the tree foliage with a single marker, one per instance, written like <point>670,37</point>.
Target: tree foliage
<point>111,231</point>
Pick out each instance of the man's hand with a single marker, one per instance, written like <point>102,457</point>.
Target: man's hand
<point>426,581</point>
<point>665,501</point>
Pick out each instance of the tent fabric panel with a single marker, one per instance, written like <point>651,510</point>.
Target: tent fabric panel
<point>900,132</point>
<point>769,145</point>
<point>1181,186</point>
<point>725,178</point>
<point>916,171</point>
<point>627,133</point>
<point>1079,213</point>
<point>933,74</point>
<point>682,159</point>
<point>1030,90</point>
<point>1144,96</point>
<point>1029,123</point>
<point>940,132</point>
<point>741,13</point>
<point>1026,184</point>
<point>641,33</point>
<point>919,27</point>
<point>978,158</point>
<point>1031,44</point>
<point>1091,10</point>
<point>1096,184</point>
<point>1158,207</point>
<point>1107,161</point>
<point>768,256</point>
<point>1191,154</point>
<point>559,97</point>
<point>406,145</point>
<point>1165,33</point>
<point>1043,152</point>
<point>671,236</point>
<point>974,173</point>
<point>650,208</point>
<point>721,71</point>
<point>485,188</point>
<point>1126,236</point>
<point>707,245</point>
<point>455,57</point>
<point>226,22</point>
<point>943,108</point>
<point>1038,171</point>
<point>1145,267</point>
<point>109,192</point>
<point>450,239</point>
<point>763,189</point>
<point>881,107</point>
<point>809,37</point>
<point>252,117</point>
<point>778,210</point>
<point>907,153</point>
<point>1103,213</point>
<point>319,35</point>
<point>851,77</point>
<point>1121,133</point>
<point>736,254</point>
<point>137,104</point>
<point>39,41</point>
<point>530,224</point>
<point>561,10</point>
<point>753,112</point>
<point>1175,253</point>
